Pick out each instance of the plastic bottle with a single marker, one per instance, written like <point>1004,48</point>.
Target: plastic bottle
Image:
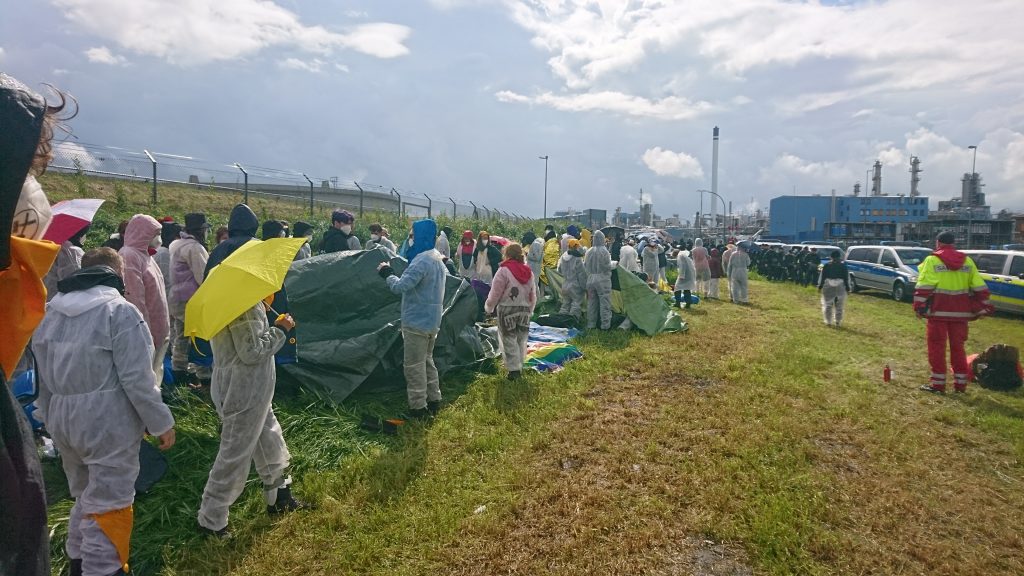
<point>887,374</point>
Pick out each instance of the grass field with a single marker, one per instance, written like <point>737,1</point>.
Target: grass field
<point>758,442</point>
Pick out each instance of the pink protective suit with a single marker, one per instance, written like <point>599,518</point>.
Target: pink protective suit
<point>143,281</point>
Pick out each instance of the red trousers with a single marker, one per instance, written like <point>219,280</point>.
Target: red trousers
<point>939,332</point>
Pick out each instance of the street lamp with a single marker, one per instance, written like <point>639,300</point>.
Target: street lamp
<point>545,159</point>
<point>717,195</point>
<point>970,189</point>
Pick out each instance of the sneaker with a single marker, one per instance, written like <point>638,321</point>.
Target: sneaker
<point>286,502</point>
<point>933,389</point>
<point>434,407</point>
<point>222,534</point>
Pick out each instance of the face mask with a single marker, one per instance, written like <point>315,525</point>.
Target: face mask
<point>375,237</point>
<point>485,241</point>
<point>156,242</point>
<point>346,228</point>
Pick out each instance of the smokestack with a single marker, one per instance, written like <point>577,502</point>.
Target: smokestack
<point>876,180</point>
<point>915,178</point>
<point>714,173</point>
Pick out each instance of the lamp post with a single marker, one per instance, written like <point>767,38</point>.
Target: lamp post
<point>545,159</point>
<point>717,195</point>
<point>970,189</point>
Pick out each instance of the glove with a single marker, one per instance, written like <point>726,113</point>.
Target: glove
<point>385,272</point>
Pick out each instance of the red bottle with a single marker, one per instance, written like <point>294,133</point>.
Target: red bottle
<point>887,374</point>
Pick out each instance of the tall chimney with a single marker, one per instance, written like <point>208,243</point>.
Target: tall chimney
<point>915,178</point>
<point>876,180</point>
<point>714,174</point>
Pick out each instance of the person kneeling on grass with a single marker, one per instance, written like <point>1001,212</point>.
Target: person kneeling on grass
<point>513,296</point>
<point>422,290</point>
<point>97,397</point>
<point>242,390</point>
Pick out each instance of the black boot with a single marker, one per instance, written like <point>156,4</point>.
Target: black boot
<point>686,298</point>
<point>222,534</point>
<point>433,407</point>
<point>515,375</point>
<point>76,567</point>
<point>679,298</point>
<point>286,502</point>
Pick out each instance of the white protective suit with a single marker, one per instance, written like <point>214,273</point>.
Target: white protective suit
<point>535,260</point>
<point>574,285</point>
<point>97,396</point>
<point>443,246</point>
<point>242,390</point>
<point>687,279</point>
<point>702,265</point>
<point>629,260</point>
<point>651,265</point>
<point>598,266</point>
<point>187,263</point>
<point>739,262</point>
<point>68,261</point>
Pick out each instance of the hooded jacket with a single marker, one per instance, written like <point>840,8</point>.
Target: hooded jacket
<point>442,245</point>
<point>535,255</point>
<point>69,261</point>
<point>513,285</point>
<point>950,288</point>
<point>188,264</point>
<point>143,281</point>
<point>570,266</point>
<point>242,227</point>
<point>687,279</point>
<point>421,286</point>
<point>700,256</point>
<point>629,260</point>
<point>598,261</point>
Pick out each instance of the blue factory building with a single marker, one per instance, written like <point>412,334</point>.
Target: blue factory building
<point>843,218</point>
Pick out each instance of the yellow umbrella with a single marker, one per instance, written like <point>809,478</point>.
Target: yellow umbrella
<point>250,274</point>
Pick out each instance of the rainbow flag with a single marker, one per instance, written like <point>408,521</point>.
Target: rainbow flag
<point>550,356</point>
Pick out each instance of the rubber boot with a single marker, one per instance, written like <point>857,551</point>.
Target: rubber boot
<point>286,502</point>
<point>679,298</point>
<point>514,375</point>
<point>76,567</point>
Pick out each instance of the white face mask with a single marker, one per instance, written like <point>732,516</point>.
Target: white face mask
<point>346,228</point>
<point>486,241</point>
<point>156,242</point>
<point>375,237</point>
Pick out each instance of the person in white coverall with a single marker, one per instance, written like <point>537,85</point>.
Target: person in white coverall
<point>702,265</point>
<point>629,260</point>
<point>97,397</point>
<point>574,284</point>
<point>686,282</point>
<point>651,268</point>
<point>242,391</point>
<point>739,262</point>
<point>598,266</point>
<point>535,259</point>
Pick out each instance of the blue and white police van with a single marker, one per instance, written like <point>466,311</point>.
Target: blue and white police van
<point>891,269</point>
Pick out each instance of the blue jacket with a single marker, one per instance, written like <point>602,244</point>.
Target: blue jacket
<point>422,288</point>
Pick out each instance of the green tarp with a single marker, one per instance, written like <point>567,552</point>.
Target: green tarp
<point>631,297</point>
<point>348,324</point>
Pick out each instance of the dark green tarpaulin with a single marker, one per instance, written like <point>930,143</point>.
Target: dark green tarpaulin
<point>631,297</point>
<point>349,324</point>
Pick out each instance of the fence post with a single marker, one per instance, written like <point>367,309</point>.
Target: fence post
<point>401,208</point>
<point>476,212</point>
<point>430,206</point>
<point>360,198</point>
<point>455,208</point>
<point>246,175</point>
<point>151,159</point>
<point>488,211</point>
<point>310,194</point>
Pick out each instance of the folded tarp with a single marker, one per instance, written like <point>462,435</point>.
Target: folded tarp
<point>631,296</point>
<point>349,324</point>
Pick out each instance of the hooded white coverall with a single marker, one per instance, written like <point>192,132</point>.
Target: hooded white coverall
<point>651,266</point>
<point>574,286</point>
<point>598,266</point>
<point>242,390</point>
<point>97,396</point>
<point>737,272</point>
<point>69,261</point>
<point>535,260</point>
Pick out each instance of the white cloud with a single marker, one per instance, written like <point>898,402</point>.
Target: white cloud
<point>1,52</point>
<point>314,65</point>
<point>191,32</point>
<point>103,55</point>
<point>356,14</point>
<point>61,71</point>
<point>669,163</point>
<point>66,153</point>
<point>341,68</point>
<point>863,113</point>
<point>669,108</point>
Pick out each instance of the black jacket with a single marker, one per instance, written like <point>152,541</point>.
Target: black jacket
<point>242,227</point>
<point>334,241</point>
<point>493,257</point>
<point>836,270</point>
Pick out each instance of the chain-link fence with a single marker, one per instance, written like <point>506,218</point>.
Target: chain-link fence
<point>259,181</point>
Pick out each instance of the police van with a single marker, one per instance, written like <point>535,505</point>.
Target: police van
<point>1003,271</point>
<point>891,269</point>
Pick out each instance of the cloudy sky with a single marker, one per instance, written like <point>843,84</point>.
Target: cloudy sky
<point>460,97</point>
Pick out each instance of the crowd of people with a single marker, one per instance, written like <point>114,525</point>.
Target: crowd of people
<point>102,321</point>
<point>798,264</point>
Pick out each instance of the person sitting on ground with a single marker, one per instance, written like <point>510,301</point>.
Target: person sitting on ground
<point>97,396</point>
<point>834,284</point>
<point>422,289</point>
<point>513,297</point>
<point>188,262</point>
<point>69,261</point>
<point>598,266</point>
<point>379,238</point>
<point>144,284</point>
<point>486,258</point>
<point>339,236</point>
<point>574,279</point>
<point>242,390</point>
<point>304,230</point>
